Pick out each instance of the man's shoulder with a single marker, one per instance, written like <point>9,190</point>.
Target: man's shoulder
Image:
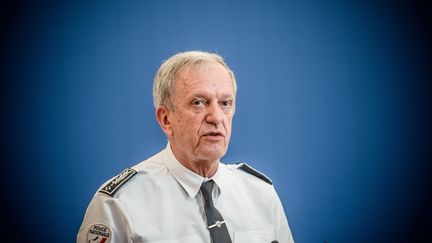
<point>244,170</point>
<point>113,185</point>
<point>129,176</point>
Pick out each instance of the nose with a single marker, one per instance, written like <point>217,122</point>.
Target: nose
<point>214,114</point>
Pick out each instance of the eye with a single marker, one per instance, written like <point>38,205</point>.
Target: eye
<point>226,103</point>
<point>198,102</point>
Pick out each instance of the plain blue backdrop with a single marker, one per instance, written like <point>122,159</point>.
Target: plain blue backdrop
<point>334,104</point>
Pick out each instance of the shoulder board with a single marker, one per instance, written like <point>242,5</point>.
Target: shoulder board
<point>118,181</point>
<point>245,167</point>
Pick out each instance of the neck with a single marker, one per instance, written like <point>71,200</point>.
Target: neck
<point>204,168</point>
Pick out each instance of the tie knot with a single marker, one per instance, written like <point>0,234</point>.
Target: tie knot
<point>206,189</point>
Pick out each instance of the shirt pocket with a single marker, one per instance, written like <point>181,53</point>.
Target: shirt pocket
<point>187,239</point>
<point>254,237</point>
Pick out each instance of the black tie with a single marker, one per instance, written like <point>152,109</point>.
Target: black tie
<point>215,222</point>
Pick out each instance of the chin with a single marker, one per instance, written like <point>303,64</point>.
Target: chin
<point>213,154</point>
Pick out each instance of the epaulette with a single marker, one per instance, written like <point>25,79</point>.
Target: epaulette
<point>245,167</point>
<point>118,181</point>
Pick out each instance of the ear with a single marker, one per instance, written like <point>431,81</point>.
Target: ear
<point>162,114</point>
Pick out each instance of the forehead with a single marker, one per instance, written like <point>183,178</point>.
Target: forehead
<point>206,77</point>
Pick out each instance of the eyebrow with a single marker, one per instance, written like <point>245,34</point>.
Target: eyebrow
<point>227,96</point>
<point>204,95</point>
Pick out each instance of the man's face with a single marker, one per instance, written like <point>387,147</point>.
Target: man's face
<point>204,105</point>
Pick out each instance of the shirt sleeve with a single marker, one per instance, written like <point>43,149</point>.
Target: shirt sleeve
<point>283,231</point>
<point>105,219</point>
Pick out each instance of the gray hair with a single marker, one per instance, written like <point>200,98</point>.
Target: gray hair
<point>164,80</point>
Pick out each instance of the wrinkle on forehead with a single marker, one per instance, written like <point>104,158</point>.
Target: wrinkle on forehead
<point>190,77</point>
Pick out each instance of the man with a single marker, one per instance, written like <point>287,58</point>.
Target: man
<point>184,193</point>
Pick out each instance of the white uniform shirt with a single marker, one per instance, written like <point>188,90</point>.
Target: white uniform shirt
<point>162,203</point>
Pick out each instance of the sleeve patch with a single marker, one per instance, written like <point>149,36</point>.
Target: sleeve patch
<point>246,168</point>
<point>118,181</point>
<point>99,233</point>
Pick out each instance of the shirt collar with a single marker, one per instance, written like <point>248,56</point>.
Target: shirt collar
<point>220,177</point>
<point>189,180</point>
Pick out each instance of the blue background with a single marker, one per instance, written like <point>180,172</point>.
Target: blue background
<point>334,104</point>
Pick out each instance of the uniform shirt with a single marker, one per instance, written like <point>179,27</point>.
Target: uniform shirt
<point>161,202</point>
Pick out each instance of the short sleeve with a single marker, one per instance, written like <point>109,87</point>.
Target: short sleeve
<point>104,221</point>
<point>283,231</point>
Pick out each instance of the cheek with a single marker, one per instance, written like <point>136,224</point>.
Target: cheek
<point>188,125</point>
<point>228,122</point>
<point>180,125</point>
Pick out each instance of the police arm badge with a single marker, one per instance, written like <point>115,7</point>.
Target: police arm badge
<point>98,233</point>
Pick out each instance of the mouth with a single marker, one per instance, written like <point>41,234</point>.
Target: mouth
<point>213,134</point>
